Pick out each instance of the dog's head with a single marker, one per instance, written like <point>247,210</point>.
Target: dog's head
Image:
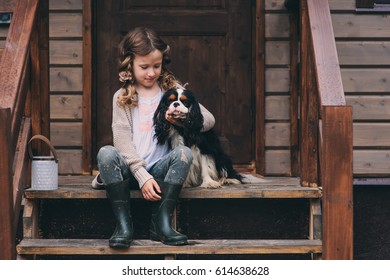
<point>182,104</point>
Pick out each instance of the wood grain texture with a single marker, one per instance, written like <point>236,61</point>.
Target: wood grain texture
<point>12,69</point>
<point>87,87</point>
<point>20,176</point>
<point>275,5</point>
<point>7,6</point>
<point>65,25</point>
<point>361,25</point>
<point>371,135</point>
<point>277,134</point>
<point>69,161</point>
<point>277,80</point>
<point>371,162</point>
<point>277,162</point>
<point>336,5</point>
<point>231,246</point>
<point>259,54</point>
<point>327,73</point>
<point>79,187</point>
<point>66,79</point>
<point>277,108</point>
<point>366,80</point>
<point>66,52</point>
<point>66,134</point>
<point>277,53</point>
<point>40,100</point>
<point>65,5</point>
<point>370,107</point>
<point>277,26</point>
<point>7,240</point>
<point>361,53</point>
<point>67,107</point>
<point>337,183</point>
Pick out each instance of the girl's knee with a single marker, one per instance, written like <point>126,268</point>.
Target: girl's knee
<point>106,154</point>
<point>184,154</point>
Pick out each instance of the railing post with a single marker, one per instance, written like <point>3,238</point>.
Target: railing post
<point>309,105</point>
<point>7,236</point>
<point>337,175</point>
<point>40,102</point>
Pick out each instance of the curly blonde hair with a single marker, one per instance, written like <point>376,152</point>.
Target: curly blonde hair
<point>141,41</point>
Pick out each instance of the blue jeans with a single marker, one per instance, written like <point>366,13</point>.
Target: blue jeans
<point>172,168</point>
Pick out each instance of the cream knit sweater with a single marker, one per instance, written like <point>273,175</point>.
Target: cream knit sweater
<point>122,129</point>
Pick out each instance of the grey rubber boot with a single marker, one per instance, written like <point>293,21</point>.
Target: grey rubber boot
<point>162,212</point>
<point>119,196</point>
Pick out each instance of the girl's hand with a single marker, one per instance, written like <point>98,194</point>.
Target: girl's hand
<point>150,190</point>
<point>175,119</point>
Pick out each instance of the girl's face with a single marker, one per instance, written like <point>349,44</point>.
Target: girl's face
<point>147,69</point>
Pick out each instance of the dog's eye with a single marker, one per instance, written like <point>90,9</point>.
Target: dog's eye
<point>172,97</point>
<point>186,103</point>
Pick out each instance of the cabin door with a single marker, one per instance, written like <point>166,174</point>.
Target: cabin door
<point>211,50</point>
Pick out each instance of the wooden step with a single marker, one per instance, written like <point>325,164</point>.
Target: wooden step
<point>79,187</point>
<point>147,247</point>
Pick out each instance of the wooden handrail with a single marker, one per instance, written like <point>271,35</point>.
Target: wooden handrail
<point>326,128</point>
<point>20,69</point>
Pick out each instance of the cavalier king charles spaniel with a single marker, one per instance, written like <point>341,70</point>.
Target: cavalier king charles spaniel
<point>211,167</point>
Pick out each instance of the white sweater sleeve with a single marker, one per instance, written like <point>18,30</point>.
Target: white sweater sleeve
<point>123,141</point>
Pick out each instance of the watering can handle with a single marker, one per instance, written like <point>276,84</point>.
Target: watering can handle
<point>47,141</point>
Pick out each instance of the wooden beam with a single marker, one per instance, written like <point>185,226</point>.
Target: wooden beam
<point>147,247</point>
<point>7,235</point>
<point>259,58</point>
<point>21,168</point>
<point>87,87</point>
<point>7,6</point>
<point>328,74</point>
<point>304,52</point>
<point>14,58</point>
<point>337,182</point>
<point>40,105</point>
<point>294,93</point>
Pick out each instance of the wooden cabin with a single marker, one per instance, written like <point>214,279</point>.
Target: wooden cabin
<point>300,91</point>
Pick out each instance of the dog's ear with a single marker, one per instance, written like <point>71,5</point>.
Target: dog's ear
<point>161,125</point>
<point>193,123</point>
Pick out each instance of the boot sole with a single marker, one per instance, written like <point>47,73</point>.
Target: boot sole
<point>155,237</point>
<point>118,245</point>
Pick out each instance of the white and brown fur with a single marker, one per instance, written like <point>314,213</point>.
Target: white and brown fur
<point>211,167</point>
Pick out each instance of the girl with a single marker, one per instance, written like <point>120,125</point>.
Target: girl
<point>136,157</point>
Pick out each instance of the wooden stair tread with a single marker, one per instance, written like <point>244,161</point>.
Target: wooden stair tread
<point>148,247</point>
<point>79,187</point>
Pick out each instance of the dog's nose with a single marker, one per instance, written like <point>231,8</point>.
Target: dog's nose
<point>176,104</point>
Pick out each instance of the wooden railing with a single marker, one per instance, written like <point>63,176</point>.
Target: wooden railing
<point>326,128</point>
<point>24,101</point>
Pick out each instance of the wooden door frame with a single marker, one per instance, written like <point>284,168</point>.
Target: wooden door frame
<point>258,87</point>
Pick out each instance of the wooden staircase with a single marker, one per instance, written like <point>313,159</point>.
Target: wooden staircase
<point>78,187</point>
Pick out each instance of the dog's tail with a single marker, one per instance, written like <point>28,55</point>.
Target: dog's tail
<point>223,162</point>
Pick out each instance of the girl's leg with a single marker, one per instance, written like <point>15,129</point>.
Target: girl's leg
<point>174,167</point>
<point>116,176</point>
<point>170,173</point>
<point>112,166</point>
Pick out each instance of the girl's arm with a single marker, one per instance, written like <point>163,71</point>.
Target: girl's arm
<point>122,136</point>
<point>208,119</point>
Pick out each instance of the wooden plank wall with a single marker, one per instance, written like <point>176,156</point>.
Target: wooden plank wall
<point>66,84</point>
<point>363,47</point>
<point>277,82</point>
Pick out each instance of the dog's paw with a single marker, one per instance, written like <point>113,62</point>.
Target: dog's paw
<point>211,185</point>
<point>229,181</point>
